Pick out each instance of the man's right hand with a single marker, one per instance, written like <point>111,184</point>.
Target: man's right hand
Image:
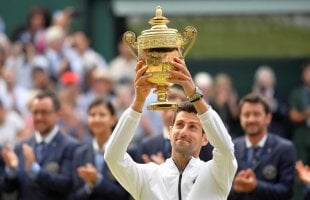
<point>303,171</point>
<point>9,157</point>
<point>142,86</point>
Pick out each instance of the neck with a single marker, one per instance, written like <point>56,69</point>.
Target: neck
<point>180,160</point>
<point>101,140</point>
<point>254,139</point>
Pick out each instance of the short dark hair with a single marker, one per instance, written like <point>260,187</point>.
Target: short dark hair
<point>254,98</point>
<point>104,102</point>
<point>49,94</point>
<point>187,107</point>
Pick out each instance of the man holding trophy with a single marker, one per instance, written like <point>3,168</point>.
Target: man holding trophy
<point>184,175</point>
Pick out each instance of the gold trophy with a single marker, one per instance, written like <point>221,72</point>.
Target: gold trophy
<point>157,46</point>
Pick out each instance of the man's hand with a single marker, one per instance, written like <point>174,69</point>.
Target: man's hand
<point>303,172</point>
<point>89,174</point>
<point>9,157</point>
<point>157,158</point>
<point>29,156</point>
<point>245,181</point>
<point>180,75</point>
<point>142,86</point>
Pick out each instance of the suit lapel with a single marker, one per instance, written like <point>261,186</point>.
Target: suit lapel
<point>91,155</point>
<point>265,151</point>
<point>52,149</point>
<point>241,153</point>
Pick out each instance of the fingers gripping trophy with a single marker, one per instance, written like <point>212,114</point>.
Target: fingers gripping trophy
<point>157,46</point>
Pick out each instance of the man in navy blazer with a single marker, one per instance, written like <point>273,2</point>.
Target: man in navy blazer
<point>41,166</point>
<point>266,162</point>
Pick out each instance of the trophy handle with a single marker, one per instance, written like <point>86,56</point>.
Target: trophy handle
<point>189,38</point>
<point>129,39</point>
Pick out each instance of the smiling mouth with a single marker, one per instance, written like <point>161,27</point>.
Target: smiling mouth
<point>182,140</point>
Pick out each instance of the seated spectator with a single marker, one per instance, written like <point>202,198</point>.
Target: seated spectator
<point>92,178</point>
<point>33,31</point>
<point>12,127</point>
<point>205,82</point>
<point>89,58</point>
<point>70,116</point>
<point>265,85</point>
<point>13,96</point>
<point>224,101</point>
<point>124,63</point>
<point>40,167</point>
<point>101,86</point>
<point>266,162</point>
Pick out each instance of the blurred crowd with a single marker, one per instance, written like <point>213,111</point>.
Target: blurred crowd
<point>45,55</point>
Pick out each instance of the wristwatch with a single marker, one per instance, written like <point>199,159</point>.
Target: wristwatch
<point>196,96</point>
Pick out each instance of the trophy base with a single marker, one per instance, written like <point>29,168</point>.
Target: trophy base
<point>168,105</point>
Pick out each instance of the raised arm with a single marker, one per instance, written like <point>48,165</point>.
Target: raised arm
<point>224,164</point>
<point>126,171</point>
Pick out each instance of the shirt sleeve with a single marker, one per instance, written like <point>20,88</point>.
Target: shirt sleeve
<point>125,170</point>
<point>224,164</point>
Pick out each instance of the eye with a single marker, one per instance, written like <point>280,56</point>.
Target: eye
<point>178,125</point>
<point>245,114</point>
<point>193,127</point>
<point>92,114</point>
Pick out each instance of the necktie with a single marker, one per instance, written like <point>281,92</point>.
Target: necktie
<point>40,150</point>
<point>253,154</point>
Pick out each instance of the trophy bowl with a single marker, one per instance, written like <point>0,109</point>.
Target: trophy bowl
<point>157,46</point>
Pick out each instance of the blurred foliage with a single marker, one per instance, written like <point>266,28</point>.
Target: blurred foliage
<point>242,37</point>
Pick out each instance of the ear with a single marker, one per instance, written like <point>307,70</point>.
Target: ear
<point>205,140</point>
<point>113,121</point>
<point>170,132</point>
<point>269,118</point>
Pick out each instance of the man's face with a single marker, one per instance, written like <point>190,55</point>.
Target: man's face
<point>254,120</point>
<point>44,115</point>
<point>186,135</point>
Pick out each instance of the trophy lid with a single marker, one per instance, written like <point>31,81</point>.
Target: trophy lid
<point>159,36</point>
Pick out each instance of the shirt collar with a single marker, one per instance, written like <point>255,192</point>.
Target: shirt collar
<point>96,146</point>
<point>261,143</point>
<point>48,138</point>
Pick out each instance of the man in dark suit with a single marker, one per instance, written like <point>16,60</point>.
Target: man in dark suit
<point>41,166</point>
<point>266,162</point>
